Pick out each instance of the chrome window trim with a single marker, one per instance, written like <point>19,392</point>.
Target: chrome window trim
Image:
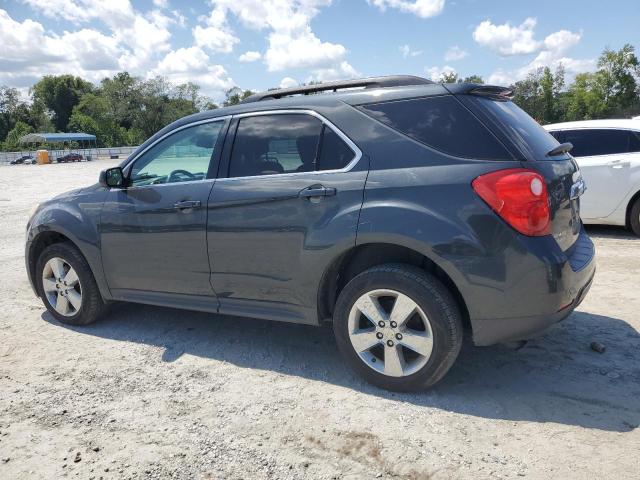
<point>347,140</point>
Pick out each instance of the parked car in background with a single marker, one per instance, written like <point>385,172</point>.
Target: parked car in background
<point>608,153</point>
<point>401,210</point>
<point>70,157</point>
<point>24,160</point>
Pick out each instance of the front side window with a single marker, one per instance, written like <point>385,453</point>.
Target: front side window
<point>286,143</point>
<point>441,123</point>
<point>183,156</point>
<point>594,142</point>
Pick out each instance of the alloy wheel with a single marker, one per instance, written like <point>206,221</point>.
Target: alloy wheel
<point>390,332</point>
<point>62,287</point>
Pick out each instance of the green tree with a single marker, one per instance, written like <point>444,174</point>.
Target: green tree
<point>94,115</point>
<point>584,99</point>
<point>123,94</point>
<point>60,94</point>
<point>473,79</point>
<point>235,95</point>
<point>617,79</point>
<point>12,142</point>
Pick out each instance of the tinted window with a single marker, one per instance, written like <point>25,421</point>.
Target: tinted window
<point>634,144</point>
<point>272,144</point>
<point>518,127</point>
<point>334,152</point>
<point>441,123</point>
<point>591,142</point>
<point>181,157</point>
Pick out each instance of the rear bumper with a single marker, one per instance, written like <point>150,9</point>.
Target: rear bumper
<point>551,290</point>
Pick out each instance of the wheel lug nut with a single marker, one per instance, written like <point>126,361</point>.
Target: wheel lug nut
<point>399,336</point>
<point>381,324</point>
<point>379,335</point>
<point>390,343</point>
<point>393,324</point>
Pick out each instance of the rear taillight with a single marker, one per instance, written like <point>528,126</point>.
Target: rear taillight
<point>520,197</point>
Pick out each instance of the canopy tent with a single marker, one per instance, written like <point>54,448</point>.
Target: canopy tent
<point>85,141</point>
<point>56,137</point>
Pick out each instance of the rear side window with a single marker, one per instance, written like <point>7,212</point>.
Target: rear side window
<point>517,126</point>
<point>273,144</point>
<point>441,123</point>
<point>594,142</point>
<point>286,143</point>
<point>334,152</point>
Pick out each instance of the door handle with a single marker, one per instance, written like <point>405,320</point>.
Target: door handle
<point>317,191</point>
<point>183,205</point>
<point>620,163</point>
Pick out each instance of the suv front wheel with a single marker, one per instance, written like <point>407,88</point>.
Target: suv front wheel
<point>398,326</point>
<point>66,285</point>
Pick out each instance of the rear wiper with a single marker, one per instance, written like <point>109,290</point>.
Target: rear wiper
<point>560,149</point>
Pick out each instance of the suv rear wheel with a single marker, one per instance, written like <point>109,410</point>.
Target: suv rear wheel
<point>66,285</point>
<point>398,326</point>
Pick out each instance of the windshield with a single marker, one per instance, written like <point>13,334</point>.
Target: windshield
<point>520,129</point>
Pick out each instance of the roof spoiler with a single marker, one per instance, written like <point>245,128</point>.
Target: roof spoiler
<point>491,91</point>
<point>371,82</point>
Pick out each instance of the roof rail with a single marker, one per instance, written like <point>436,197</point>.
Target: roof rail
<point>371,82</point>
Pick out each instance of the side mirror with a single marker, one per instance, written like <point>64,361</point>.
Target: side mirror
<point>111,178</point>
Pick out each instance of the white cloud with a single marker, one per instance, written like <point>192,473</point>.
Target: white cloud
<point>302,49</point>
<point>501,77</point>
<point>192,64</point>
<point>435,73</point>
<point>250,56</point>
<point>216,35</point>
<point>407,51</point>
<point>161,3</point>
<point>288,82</point>
<point>339,72</point>
<point>552,53</point>
<point>28,52</point>
<point>506,39</point>
<point>421,8</point>
<point>214,38</point>
<point>454,54</point>
<point>292,44</point>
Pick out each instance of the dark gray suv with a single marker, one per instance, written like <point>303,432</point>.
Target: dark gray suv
<point>408,213</point>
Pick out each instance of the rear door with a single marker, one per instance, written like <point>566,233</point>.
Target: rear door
<point>290,197</point>
<point>605,159</point>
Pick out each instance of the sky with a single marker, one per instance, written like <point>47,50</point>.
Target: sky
<point>260,44</point>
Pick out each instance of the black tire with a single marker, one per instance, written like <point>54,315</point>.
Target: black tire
<point>92,305</point>
<point>634,217</point>
<point>433,298</point>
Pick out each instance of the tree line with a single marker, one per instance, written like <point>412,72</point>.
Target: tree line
<point>125,110</point>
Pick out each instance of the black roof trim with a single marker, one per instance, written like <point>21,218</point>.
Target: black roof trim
<point>371,82</point>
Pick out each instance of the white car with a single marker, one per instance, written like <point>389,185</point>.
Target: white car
<point>608,153</point>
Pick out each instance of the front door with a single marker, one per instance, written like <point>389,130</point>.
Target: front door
<point>290,200</point>
<point>153,232</point>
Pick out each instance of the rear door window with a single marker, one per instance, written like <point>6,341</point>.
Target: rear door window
<point>594,142</point>
<point>275,144</point>
<point>334,153</point>
<point>441,123</point>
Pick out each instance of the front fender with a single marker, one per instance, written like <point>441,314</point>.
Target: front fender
<point>77,220</point>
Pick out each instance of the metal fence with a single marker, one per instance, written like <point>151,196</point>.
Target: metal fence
<point>93,153</point>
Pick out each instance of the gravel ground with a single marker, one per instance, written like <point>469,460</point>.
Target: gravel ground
<point>159,393</point>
